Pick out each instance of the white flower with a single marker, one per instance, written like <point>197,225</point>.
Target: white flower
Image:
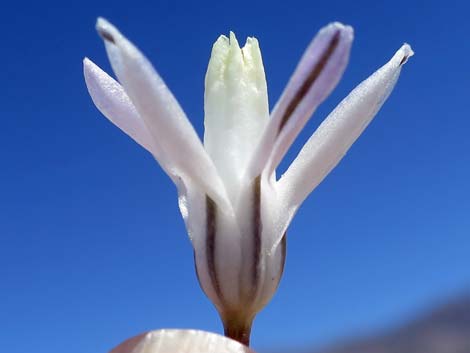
<point>235,209</point>
<point>180,341</point>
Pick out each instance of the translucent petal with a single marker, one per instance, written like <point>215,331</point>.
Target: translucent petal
<point>236,106</point>
<point>223,288</point>
<point>163,116</point>
<point>317,73</point>
<point>180,341</point>
<point>111,99</point>
<point>339,130</point>
<point>113,102</point>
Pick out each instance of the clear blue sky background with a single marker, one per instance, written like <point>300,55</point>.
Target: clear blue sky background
<point>92,247</point>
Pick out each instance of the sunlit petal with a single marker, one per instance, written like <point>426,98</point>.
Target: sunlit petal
<point>337,133</point>
<point>317,73</point>
<point>111,99</point>
<point>161,113</point>
<point>235,105</point>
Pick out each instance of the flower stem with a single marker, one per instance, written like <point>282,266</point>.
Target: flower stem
<point>238,330</point>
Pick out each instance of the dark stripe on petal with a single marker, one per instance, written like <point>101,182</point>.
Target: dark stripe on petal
<point>404,60</point>
<point>257,228</point>
<point>211,230</point>
<point>283,253</point>
<point>311,78</point>
<point>106,35</point>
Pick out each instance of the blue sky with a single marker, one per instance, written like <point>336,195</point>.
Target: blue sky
<point>92,247</point>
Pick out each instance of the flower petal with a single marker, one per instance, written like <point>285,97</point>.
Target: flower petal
<point>339,130</point>
<point>163,116</point>
<point>235,105</point>
<point>113,102</point>
<point>180,341</point>
<point>317,73</point>
<point>111,99</point>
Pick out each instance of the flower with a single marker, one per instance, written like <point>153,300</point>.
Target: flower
<point>235,208</point>
<point>180,341</point>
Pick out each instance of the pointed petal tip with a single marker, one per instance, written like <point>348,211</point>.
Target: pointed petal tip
<point>402,55</point>
<point>346,30</point>
<point>221,42</point>
<point>223,38</point>
<point>87,67</point>
<point>233,40</point>
<point>101,22</point>
<point>106,30</point>
<point>251,41</point>
<point>405,52</point>
<point>336,24</point>
<point>407,48</point>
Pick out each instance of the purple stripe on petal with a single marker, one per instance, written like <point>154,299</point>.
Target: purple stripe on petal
<point>317,73</point>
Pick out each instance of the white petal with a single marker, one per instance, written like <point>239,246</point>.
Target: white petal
<point>181,148</point>
<point>192,204</point>
<point>180,341</point>
<point>236,106</point>
<point>113,102</point>
<point>317,73</point>
<point>337,133</point>
<point>110,98</point>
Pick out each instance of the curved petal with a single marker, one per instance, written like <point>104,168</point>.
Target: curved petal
<point>192,205</point>
<point>180,341</point>
<point>113,102</point>
<point>111,99</point>
<point>182,149</point>
<point>339,130</point>
<point>317,73</point>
